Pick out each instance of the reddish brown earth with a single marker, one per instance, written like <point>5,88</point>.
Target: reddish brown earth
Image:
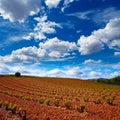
<point>7,115</point>
<point>24,92</point>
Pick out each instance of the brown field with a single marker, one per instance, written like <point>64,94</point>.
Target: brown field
<point>35,98</point>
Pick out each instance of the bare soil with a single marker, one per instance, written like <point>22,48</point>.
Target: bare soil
<point>25,92</point>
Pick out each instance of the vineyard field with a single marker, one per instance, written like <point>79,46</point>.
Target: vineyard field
<point>38,98</point>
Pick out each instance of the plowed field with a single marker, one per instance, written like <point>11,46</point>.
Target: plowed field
<point>35,98</point>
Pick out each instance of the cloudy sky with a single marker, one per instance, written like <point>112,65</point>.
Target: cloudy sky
<point>60,38</point>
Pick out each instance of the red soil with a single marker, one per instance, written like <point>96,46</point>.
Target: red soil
<point>64,89</point>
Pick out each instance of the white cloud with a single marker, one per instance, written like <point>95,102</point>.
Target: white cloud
<point>90,61</point>
<point>58,48</point>
<point>66,4</point>
<point>81,15</point>
<point>24,55</point>
<point>56,73</point>
<point>36,70</point>
<point>10,39</point>
<point>98,16</point>
<point>111,74</point>
<point>55,44</point>
<point>117,53</point>
<point>15,38</point>
<point>31,69</point>
<point>52,3</point>
<point>55,3</point>
<point>115,44</point>
<point>89,45</point>
<point>68,24</point>
<point>115,74</point>
<point>43,27</point>
<point>18,10</point>
<point>52,49</point>
<point>106,14</point>
<point>69,72</point>
<point>54,54</point>
<point>4,69</point>
<point>115,66</point>
<point>73,72</point>
<point>94,74</point>
<point>110,36</point>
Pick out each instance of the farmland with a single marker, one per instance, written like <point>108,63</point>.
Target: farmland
<point>36,98</point>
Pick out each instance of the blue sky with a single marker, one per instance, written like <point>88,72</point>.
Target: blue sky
<point>60,38</point>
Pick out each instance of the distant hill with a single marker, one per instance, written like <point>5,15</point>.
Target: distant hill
<point>115,80</point>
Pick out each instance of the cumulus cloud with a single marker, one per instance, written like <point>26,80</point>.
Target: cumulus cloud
<point>117,53</point>
<point>115,44</point>
<point>77,72</point>
<point>70,72</point>
<point>30,69</point>
<point>52,3</point>
<point>18,10</point>
<point>90,61</point>
<point>55,3</point>
<point>94,74</point>
<point>115,74</point>
<point>110,36</point>
<point>89,45</point>
<point>73,72</point>
<point>36,70</point>
<point>56,73</point>
<point>52,49</point>
<point>23,55</point>
<point>58,48</point>
<point>43,27</point>
<point>115,65</point>
<point>4,69</point>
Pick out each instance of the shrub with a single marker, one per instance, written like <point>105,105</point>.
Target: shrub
<point>86,99</point>
<point>8,93</point>
<point>10,106</point>
<point>113,97</point>
<point>27,98</point>
<point>47,101</point>
<point>17,74</point>
<point>76,98</point>
<point>56,102</point>
<point>98,100</point>
<point>14,108</point>
<point>1,102</point>
<point>80,108</point>
<point>109,100</point>
<point>6,105</point>
<point>67,104</point>
<point>19,96</point>
<point>103,97</point>
<point>22,113</point>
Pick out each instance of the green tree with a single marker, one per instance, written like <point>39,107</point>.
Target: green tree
<point>17,74</point>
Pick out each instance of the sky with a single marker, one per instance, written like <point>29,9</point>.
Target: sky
<point>60,38</point>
